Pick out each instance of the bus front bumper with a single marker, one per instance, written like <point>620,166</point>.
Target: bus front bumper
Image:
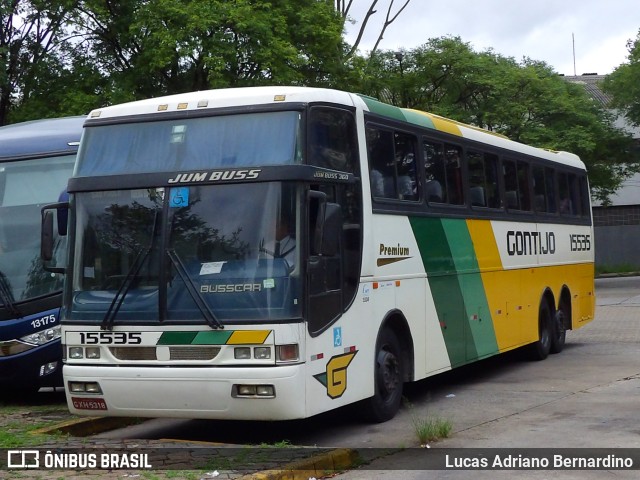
<point>187,392</point>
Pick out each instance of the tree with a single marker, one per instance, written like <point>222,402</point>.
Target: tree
<point>167,46</point>
<point>623,85</point>
<point>30,35</point>
<point>343,7</point>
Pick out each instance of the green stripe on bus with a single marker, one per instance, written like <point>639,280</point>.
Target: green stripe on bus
<point>194,338</point>
<point>478,314</point>
<point>383,109</point>
<point>456,287</point>
<point>176,338</point>
<point>213,337</point>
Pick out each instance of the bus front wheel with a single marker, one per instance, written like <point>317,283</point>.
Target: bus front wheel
<point>388,379</point>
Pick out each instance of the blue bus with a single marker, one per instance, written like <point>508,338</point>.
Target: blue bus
<point>36,160</point>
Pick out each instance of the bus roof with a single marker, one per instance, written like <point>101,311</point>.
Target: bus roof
<point>251,96</point>
<point>52,136</point>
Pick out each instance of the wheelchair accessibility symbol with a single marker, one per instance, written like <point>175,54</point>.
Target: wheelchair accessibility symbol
<point>179,197</point>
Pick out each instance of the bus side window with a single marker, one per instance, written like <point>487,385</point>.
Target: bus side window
<point>381,162</point>
<point>453,171</point>
<point>524,192</point>
<point>567,205</point>
<point>516,185</point>
<point>405,166</point>
<point>332,140</point>
<point>483,180</point>
<point>544,189</point>
<point>583,186</point>
<point>443,172</point>
<point>434,171</point>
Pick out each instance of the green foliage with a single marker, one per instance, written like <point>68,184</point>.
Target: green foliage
<point>430,428</point>
<point>70,56</point>
<point>623,83</point>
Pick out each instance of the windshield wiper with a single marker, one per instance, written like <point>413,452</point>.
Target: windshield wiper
<point>193,291</point>
<point>6,295</point>
<point>125,286</point>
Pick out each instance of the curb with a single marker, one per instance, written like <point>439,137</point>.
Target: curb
<point>316,466</point>
<point>83,427</point>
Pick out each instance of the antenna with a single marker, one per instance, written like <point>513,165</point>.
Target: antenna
<point>573,41</point>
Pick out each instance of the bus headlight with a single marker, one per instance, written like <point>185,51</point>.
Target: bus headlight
<point>242,353</point>
<point>253,391</point>
<point>76,353</point>
<point>43,336</point>
<point>85,387</point>
<point>262,353</point>
<point>92,352</point>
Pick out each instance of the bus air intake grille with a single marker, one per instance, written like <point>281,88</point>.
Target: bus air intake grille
<point>134,353</point>
<point>193,353</point>
<point>175,353</point>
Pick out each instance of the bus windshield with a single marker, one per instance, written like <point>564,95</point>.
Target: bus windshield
<point>25,186</point>
<point>266,138</point>
<point>171,254</point>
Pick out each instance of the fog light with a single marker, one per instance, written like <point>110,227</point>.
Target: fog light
<point>92,387</point>
<point>76,387</point>
<point>76,353</point>
<point>92,352</point>
<point>265,391</point>
<point>48,368</point>
<point>242,353</point>
<point>246,390</point>
<point>262,353</point>
<point>287,353</point>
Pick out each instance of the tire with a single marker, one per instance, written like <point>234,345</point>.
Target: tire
<point>559,330</point>
<point>541,348</point>
<point>388,379</point>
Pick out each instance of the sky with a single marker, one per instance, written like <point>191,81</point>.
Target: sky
<point>543,30</point>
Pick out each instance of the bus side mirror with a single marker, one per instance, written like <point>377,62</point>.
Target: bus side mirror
<point>47,236</point>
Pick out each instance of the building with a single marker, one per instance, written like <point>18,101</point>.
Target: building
<point>617,223</point>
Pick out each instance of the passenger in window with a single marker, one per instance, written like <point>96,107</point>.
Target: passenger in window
<point>434,172</point>
<point>454,177</point>
<point>406,167</point>
<point>380,148</point>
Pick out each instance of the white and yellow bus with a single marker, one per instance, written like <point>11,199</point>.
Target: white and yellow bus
<point>277,252</point>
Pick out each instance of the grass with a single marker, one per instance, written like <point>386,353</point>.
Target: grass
<point>431,428</point>
<point>616,269</point>
<point>19,419</point>
<point>16,434</point>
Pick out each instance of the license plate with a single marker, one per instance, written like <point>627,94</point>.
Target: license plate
<point>88,403</point>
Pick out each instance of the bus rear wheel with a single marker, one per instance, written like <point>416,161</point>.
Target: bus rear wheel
<point>540,349</point>
<point>388,379</point>
<point>559,332</point>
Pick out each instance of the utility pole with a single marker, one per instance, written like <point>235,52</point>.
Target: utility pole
<point>573,41</point>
